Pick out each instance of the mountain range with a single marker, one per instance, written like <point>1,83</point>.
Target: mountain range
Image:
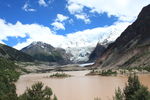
<point>39,51</point>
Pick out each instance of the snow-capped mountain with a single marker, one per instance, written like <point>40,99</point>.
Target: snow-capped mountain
<point>45,52</point>
<point>79,54</point>
<point>82,48</point>
<point>78,49</point>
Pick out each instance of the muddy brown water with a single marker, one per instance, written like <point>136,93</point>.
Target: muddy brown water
<point>79,87</point>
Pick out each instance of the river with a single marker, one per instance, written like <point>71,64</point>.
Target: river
<point>79,86</point>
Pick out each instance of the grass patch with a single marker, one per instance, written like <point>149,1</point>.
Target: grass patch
<point>93,72</point>
<point>59,75</point>
<point>103,72</point>
<point>146,68</point>
<point>108,73</point>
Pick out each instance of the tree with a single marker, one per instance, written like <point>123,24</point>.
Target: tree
<point>8,75</point>
<point>134,90</point>
<point>118,95</point>
<point>142,94</point>
<point>132,87</point>
<point>55,98</point>
<point>37,92</point>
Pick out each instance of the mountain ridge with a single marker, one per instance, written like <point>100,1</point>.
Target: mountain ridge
<point>13,54</point>
<point>45,52</point>
<point>131,47</point>
<point>97,52</point>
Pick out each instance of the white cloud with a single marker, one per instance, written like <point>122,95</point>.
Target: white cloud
<point>42,3</point>
<point>126,10</point>
<point>59,22</point>
<point>27,8</point>
<point>58,26</point>
<point>90,37</point>
<point>36,32</point>
<point>83,17</point>
<point>75,8</point>
<point>61,18</point>
<point>2,42</point>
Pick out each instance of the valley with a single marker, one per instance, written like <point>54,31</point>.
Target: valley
<point>72,67</point>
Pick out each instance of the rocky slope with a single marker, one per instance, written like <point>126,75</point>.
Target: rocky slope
<point>132,48</point>
<point>45,52</point>
<point>13,54</point>
<point>97,52</point>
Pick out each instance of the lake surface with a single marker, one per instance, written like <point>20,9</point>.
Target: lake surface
<point>79,87</point>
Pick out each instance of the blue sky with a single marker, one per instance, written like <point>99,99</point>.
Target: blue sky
<point>25,21</point>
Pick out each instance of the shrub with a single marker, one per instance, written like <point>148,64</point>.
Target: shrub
<point>97,98</point>
<point>59,75</point>
<point>119,95</point>
<point>134,90</point>
<point>108,72</point>
<point>8,75</point>
<point>38,92</point>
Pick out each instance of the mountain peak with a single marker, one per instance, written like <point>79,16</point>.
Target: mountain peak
<point>39,43</point>
<point>144,13</point>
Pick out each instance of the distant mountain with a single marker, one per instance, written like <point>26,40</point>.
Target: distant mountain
<point>45,52</point>
<point>13,54</point>
<point>132,48</point>
<point>97,52</point>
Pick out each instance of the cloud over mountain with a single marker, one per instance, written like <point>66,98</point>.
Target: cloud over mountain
<point>80,22</point>
<point>36,32</point>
